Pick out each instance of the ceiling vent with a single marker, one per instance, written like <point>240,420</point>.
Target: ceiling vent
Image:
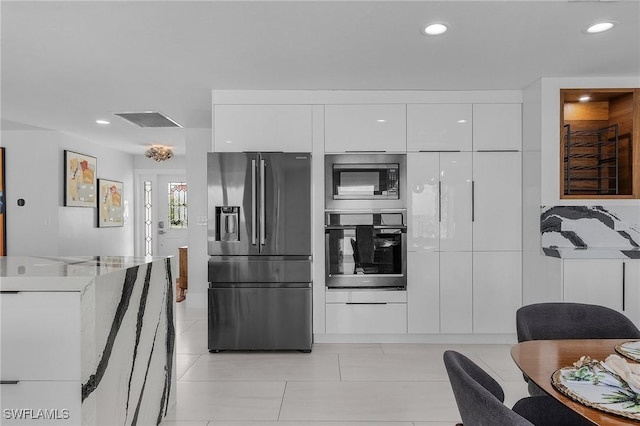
<point>148,119</point>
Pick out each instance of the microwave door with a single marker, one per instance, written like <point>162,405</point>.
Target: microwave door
<point>232,204</point>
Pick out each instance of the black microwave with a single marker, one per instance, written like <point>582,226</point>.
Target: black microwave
<point>364,181</point>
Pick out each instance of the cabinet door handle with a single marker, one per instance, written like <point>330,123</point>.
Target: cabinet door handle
<point>473,201</point>
<point>624,285</point>
<point>9,382</point>
<point>366,303</point>
<point>439,201</point>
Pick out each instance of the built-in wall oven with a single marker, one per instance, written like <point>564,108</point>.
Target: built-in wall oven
<point>366,250</point>
<point>365,181</point>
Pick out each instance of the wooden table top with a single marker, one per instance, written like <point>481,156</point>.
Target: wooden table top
<point>539,359</point>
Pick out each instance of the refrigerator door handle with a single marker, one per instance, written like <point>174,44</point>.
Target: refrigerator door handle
<point>263,219</point>
<point>253,202</point>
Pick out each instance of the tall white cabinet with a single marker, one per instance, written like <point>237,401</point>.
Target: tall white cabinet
<point>465,212</point>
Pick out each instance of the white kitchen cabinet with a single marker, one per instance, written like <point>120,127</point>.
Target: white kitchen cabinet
<point>439,203</point>
<point>366,318</point>
<point>41,358</point>
<point>60,399</point>
<point>456,292</point>
<point>497,127</point>
<point>36,322</point>
<point>379,127</point>
<point>423,292</point>
<point>439,127</point>
<point>614,283</point>
<point>497,201</point>
<point>497,291</point>
<point>285,128</point>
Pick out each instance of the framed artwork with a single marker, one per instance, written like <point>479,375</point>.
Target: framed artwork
<point>110,206</point>
<point>80,189</point>
<point>3,208</point>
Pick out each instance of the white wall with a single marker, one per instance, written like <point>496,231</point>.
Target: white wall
<point>541,278</point>
<point>43,226</point>
<point>199,142</point>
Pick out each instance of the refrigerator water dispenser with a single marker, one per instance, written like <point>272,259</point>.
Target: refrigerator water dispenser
<point>227,221</point>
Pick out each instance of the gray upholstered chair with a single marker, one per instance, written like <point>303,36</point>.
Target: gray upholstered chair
<point>552,321</point>
<point>480,400</point>
<point>560,320</point>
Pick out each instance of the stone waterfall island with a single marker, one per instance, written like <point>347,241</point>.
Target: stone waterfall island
<point>86,340</point>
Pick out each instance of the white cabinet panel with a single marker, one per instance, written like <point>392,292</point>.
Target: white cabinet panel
<point>497,291</point>
<point>607,282</point>
<point>439,127</point>
<point>423,183</point>
<point>41,403</point>
<point>497,198</point>
<point>456,292</point>
<point>423,292</point>
<point>440,201</point>
<point>378,127</point>
<point>455,197</point>
<point>37,323</point>
<point>240,128</point>
<point>497,127</point>
<point>366,318</point>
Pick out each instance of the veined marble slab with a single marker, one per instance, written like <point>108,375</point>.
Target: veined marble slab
<point>590,231</point>
<point>127,330</point>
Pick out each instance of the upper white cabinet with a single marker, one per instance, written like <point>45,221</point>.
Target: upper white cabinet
<point>285,128</point>
<point>439,127</point>
<point>497,127</point>
<point>376,127</point>
<point>497,201</point>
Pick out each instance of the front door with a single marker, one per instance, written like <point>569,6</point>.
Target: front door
<point>171,223</point>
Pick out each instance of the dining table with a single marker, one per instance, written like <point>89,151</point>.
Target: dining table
<point>540,359</point>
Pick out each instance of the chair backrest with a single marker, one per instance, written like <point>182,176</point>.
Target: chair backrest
<point>479,397</point>
<point>549,321</point>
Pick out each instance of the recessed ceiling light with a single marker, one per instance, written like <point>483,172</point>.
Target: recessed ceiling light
<point>228,141</point>
<point>102,122</point>
<point>600,27</point>
<point>381,120</point>
<point>462,121</point>
<point>584,98</point>
<point>435,29</point>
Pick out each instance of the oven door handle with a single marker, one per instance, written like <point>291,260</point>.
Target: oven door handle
<point>402,229</point>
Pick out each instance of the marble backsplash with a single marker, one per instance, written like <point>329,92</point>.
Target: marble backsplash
<point>610,227</point>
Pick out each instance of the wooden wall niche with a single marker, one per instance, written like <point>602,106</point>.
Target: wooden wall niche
<point>593,164</point>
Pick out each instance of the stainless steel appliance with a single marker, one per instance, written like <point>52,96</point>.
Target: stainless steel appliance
<point>259,244</point>
<point>365,181</point>
<point>366,250</point>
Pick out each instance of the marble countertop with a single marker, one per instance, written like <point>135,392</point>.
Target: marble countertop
<point>27,273</point>
<point>591,253</point>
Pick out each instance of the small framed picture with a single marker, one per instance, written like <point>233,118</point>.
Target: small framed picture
<point>110,206</point>
<point>80,189</point>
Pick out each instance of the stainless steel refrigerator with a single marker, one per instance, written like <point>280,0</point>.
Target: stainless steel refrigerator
<point>259,243</point>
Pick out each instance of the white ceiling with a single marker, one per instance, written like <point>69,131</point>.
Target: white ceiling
<point>66,64</point>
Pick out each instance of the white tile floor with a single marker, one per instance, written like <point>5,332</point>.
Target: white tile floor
<point>334,385</point>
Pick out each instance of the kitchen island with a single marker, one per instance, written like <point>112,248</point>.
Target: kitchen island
<point>86,340</point>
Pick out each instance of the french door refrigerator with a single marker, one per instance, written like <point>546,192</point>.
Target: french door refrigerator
<point>259,244</point>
